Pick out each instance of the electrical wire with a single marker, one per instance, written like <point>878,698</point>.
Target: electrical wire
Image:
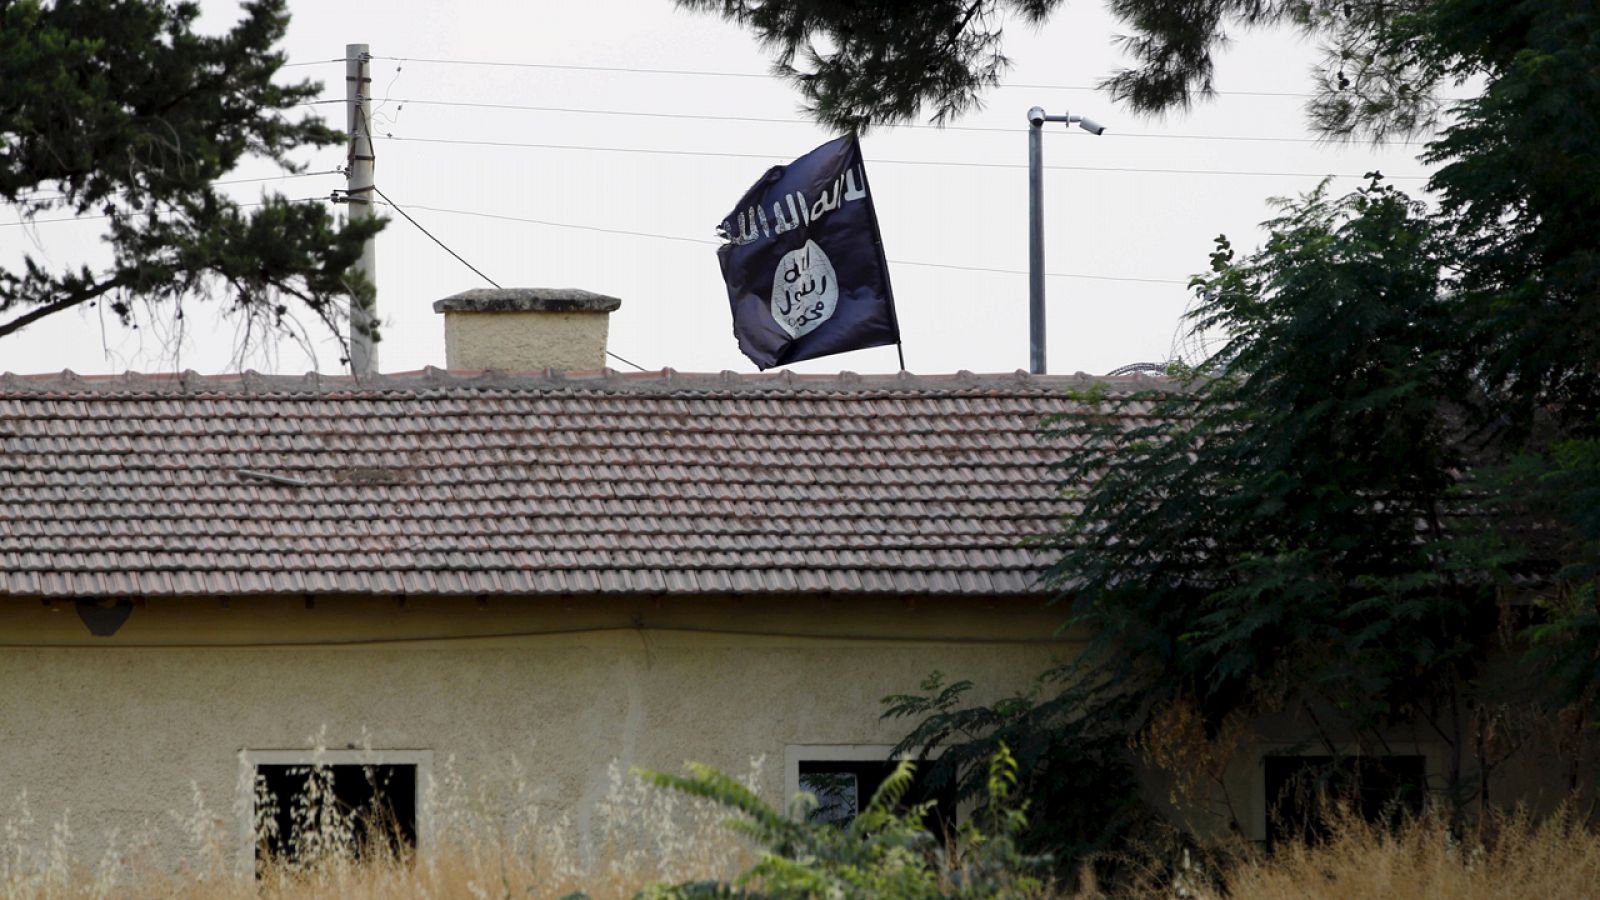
<point>709,242</point>
<point>545,222</point>
<point>628,362</point>
<point>700,73</point>
<point>778,159</point>
<point>397,208</point>
<point>991,129</point>
<point>104,216</point>
<point>604,230</point>
<point>56,195</point>
<point>367,124</point>
<point>276,177</point>
<point>1126,278</point>
<point>570,67</point>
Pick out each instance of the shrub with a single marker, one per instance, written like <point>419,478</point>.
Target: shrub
<point>881,853</point>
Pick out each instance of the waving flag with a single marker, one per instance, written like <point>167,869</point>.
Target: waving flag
<point>804,263</point>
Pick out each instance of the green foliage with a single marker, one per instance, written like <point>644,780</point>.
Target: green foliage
<point>1556,494</point>
<point>1520,193</point>
<point>1399,435</point>
<point>1284,527</point>
<point>1069,741</point>
<point>881,853</point>
<point>118,108</point>
<point>1276,531</point>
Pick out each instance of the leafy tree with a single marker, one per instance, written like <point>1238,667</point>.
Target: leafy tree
<point>1407,412</point>
<point>881,853</point>
<point>1557,488</point>
<point>1286,529</point>
<point>1520,191</point>
<point>118,108</point>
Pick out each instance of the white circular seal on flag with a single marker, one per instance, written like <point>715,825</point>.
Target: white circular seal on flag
<point>804,290</point>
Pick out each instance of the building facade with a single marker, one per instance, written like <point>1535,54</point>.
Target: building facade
<point>207,578</point>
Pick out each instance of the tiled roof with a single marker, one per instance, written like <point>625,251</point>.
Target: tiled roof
<point>474,483</point>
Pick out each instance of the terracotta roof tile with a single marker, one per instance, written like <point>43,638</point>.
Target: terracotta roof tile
<point>471,483</point>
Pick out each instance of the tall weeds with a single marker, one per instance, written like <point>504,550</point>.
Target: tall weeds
<point>495,839</point>
<point>1511,856</point>
<point>491,838</point>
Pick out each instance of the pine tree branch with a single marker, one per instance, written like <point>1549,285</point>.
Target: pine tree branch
<point>67,302</point>
<point>955,33</point>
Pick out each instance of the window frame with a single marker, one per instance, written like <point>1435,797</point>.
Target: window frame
<point>795,754</point>
<point>249,760</point>
<point>1433,763</point>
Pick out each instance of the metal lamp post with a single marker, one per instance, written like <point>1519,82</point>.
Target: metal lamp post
<point>1036,120</point>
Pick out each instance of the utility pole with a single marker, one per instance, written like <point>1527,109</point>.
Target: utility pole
<point>1036,120</point>
<point>359,196</point>
<point>1036,241</point>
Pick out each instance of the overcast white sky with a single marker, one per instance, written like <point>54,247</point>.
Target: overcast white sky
<point>947,197</point>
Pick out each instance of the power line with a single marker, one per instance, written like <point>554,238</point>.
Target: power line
<point>397,208</point>
<point>567,67</point>
<point>56,195</point>
<point>105,216</point>
<point>996,129</point>
<point>778,159</point>
<point>701,73</point>
<point>628,362</point>
<point>387,202</point>
<point>1094,88</point>
<point>276,177</point>
<point>708,241</point>
<point>931,265</point>
<point>595,228</point>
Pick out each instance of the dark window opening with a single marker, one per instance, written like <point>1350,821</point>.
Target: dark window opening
<point>843,788</point>
<point>1302,792</point>
<point>371,804</point>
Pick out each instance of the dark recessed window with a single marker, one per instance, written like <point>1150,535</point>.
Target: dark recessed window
<point>373,803</point>
<point>844,787</point>
<point>1302,789</point>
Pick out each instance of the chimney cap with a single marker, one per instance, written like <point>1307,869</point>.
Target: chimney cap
<point>527,300</point>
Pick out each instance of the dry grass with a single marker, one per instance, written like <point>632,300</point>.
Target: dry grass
<point>495,840</point>
<point>1509,857</point>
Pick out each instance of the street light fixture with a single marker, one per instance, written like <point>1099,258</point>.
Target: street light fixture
<point>1036,120</point>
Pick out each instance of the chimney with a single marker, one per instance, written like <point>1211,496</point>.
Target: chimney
<point>526,329</point>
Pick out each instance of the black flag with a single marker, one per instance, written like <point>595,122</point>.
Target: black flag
<point>804,263</point>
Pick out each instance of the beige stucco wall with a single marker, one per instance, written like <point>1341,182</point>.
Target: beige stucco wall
<point>116,729</point>
<point>526,341</point>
